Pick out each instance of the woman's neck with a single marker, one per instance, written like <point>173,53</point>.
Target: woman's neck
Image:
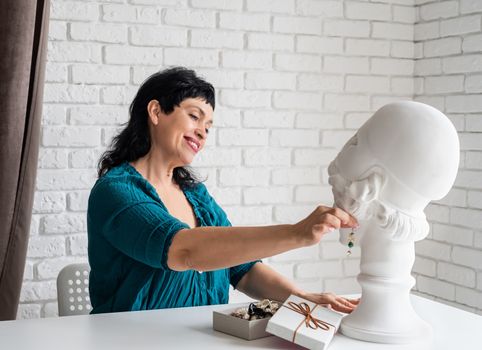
<point>155,169</point>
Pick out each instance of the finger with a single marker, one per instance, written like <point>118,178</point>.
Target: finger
<point>331,220</point>
<point>346,219</point>
<point>346,302</point>
<point>343,307</point>
<point>322,229</point>
<point>354,301</point>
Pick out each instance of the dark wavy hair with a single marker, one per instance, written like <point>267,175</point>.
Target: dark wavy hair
<point>170,87</point>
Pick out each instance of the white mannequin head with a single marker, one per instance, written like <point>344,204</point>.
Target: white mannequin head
<point>404,156</point>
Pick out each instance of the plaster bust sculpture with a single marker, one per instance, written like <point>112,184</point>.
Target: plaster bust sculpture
<point>403,157</point>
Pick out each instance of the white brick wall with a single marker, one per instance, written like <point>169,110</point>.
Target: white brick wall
<point>294,80</point>
<point>449,262</point>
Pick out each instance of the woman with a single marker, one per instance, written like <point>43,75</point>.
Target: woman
<point>157,239</point>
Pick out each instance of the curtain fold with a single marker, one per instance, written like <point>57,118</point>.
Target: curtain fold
<point>24,31</point>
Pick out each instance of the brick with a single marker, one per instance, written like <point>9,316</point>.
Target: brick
<point>294,138</point>
<point>472,43</point>
<point>227,117</point>
<point>460,25</point>
<point>368,84</point>
<point>218,4</point>
<point>133,55</point>
<point>469,178</point>
<point>35,225</point>
<point>63,223</point>
<point>284,269</point>
<point>268,119</point>
<point>438,10</point>
<point>424,31</point>
<point>296,176</point>
<point>402,49</point>
<point>356,120</point>
<point>346,102</point>
<point>117,95</point>
<point>28,273</point>
<point>84,158</point>
<point>57,30</point>
<point>100,32</point>
<point>98,115</point>
<point>466,217</point>
<point>403,86</point>
<point>227,196</point>
<point>462,64</point>
<point>191,57</point>
<point>320,82</point>
<point>463,104</point>
<point>317,120</point>
<point>392,66</point>
<point>296,25</point>
<point>270,80</point>
<point>28,311</point>
<point>58,180</point>
<point>167,3</point>
<point>157,36</point>
<point>367,47</point>
<point>243,137</point>
<point>473,84</point>
<point>313,194</point>
<point>319,45</point>
<point>50,310</point>
<point>444,84</point>
<point>244,21</point>
<point>217,39</point>
<point>71,51</point>
<point>267,156</point>
<point>336,250</point>
<point>74,11</point>
<point>252,215</point>
<point>124,13</point>
<point>469,6</point>
<point>324,9</point>
<point>467,257</point>
<point>428,66</point>
<point>52,158</point>
<point>369,11</point>
<point>49,202</point>
<point>292,213</point>
<point>223,79</point>
<point>77,200</point>
<point>70,136</point>
<point>424,266</point>
<point>319,269</point>
<point>473,160</point>
<point>45,247</point>
<point>70,94</point>
<point>298,62</point>
<point>249,60</point>
<point>50,268</point>
<point>380,101</point>
<point>351,267</point>
<point>346,28</point>
<point>468,297</point>
<point>442,47</point>
<point>432,249</point>
<point>342,286</point>
<point>297,100</point>
<point>77,245</point>
<point>345,65</point>
<point>270,41</point>
<point>456,197</point>
<point>392,31</point>
<point>456,274</point>
<point>296,255</point>
<point>404,14</point>
<point>219,157</point>
<point>314,156</point>
<point>35,291</point>
<point>100,74</point>
<point>271,6</point>
<point>436,288</point>
<point>56,73</point>
<point>243,98</point>
<point>437,213</point>
<point>244,177</point>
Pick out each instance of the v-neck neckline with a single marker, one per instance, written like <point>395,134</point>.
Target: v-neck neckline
<point>185,191</point>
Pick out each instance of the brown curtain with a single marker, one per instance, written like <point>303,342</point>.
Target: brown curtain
<point>23,33</point>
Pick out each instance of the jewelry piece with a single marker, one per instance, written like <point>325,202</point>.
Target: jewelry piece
<point>351,242</point>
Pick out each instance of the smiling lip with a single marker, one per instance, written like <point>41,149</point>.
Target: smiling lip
<point>194,144</point>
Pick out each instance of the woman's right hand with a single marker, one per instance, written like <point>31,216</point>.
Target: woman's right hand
<point>321,221</point>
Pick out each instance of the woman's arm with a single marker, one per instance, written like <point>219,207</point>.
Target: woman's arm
<point>262,282</point>
<point>212,248</point>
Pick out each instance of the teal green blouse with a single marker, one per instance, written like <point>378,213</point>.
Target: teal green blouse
<point>130,231</point>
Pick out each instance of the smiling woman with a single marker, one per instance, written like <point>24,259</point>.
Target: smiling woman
<point>153,228</point>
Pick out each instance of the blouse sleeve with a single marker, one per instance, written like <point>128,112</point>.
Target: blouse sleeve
<point>235,272</point>
<point>132,222</point>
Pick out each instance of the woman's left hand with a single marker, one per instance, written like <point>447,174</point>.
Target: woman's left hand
<point>332,301</point>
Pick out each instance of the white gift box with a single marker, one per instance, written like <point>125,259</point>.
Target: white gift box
<point>292,325</point>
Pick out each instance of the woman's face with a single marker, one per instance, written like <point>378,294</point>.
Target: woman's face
<point>182,134</point>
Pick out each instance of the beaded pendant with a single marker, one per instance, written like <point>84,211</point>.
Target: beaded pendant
<point>351,242</point>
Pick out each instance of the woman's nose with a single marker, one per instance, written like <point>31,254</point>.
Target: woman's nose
<point>200,134</point>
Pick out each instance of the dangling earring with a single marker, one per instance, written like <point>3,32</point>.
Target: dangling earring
<point>351,242</point>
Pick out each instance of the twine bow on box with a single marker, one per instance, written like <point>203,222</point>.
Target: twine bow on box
<point>310,321</point>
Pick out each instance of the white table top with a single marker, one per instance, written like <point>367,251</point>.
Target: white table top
<point>191,328</point>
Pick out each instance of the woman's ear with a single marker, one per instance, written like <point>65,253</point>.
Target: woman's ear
<point>153,110</point>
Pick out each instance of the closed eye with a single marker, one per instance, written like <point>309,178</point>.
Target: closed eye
<point>194,117</point>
